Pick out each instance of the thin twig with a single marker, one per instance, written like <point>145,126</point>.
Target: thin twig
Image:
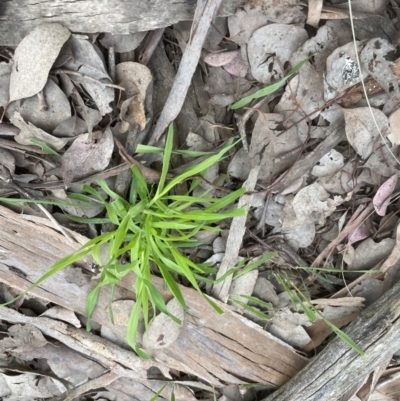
<point>150,45</point>
<point>352,225</point>
<point>5,175</point>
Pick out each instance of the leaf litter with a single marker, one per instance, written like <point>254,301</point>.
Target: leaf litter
<point>57,90</point>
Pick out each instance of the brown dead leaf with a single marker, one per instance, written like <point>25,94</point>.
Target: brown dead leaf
<point>134,77</point>
<point>132,112</point>
<point>83,158</point>
<point>33,59</point>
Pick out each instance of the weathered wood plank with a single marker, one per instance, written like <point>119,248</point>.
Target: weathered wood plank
<point>218,348</point>
<point>19,17</point>
<point>335,371</point>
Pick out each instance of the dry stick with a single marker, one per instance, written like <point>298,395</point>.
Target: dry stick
<point>204,14</point>
<point>151,44</point>
<point>353,223</point>
<point>111,63</point>
<point>330,375</point>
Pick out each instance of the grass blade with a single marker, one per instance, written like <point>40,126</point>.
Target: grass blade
<point>269,89</point>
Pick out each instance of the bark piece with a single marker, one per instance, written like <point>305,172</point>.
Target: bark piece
<point>92,16</point>
<point>334,371</point>
<point>232,348</point>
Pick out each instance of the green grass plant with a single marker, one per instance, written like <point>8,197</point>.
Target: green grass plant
<point>151,227</point>
<point>268,90</point>
<point>298,299</point>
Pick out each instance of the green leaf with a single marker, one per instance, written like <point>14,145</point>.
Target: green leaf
<point>256,264</point>
<point>166,160</point>
<point>254,311</point>
<point>91,304</point>
<point>269,89</point>
<point>46,148</point>
<point>154,149</point>
<point>156,395</point>
<point>198,168</point>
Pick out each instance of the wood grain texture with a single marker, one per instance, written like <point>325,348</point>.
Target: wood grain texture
<point>19,17</point>
<point>218,348</point>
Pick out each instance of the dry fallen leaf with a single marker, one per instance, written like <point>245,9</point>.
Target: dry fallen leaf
<point>83,158</point>
<point>271,47</point>
<point>58,108</point>
<point>29,131</point>
<point>361,130</point>
<point>33,59</point>
<point>383,196</point>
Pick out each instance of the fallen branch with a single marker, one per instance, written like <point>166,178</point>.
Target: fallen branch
<point>338,367</point>
<point>205,12</point>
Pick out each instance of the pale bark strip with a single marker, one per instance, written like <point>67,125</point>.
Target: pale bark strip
<point>334,371</point>
<point>93,16</point>
<point>109,355</point>
<point>314,12</point>
<point>205,11</point>
<point>234,241</point>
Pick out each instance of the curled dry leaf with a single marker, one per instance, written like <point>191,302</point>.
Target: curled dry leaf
<point>86,60</point>
<point>83,158</point>
<point>357,235</point>
<point>237,66</point>
<point>231,61</point>
<point>58,108</point>
<point>220,59</point>
<point>163,331</point>
<point>134,77</point>
<point>29,131</point>
<point>361,131</point>
<point>382,197</point>
<point>394,120</point>
<point>132,112</point>
<point>33,59</point>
